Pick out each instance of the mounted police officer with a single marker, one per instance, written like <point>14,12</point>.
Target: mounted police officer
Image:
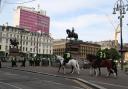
<point>67,57</point>
<point>102,55</point>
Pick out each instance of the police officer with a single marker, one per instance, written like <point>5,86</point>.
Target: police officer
<point>102,55</point>
<point>67,57</point>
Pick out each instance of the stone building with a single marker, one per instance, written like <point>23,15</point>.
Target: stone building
<point>29,42</point>
<point>78,49</point>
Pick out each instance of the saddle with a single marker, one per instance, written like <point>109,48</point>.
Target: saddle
<point>66,60</point>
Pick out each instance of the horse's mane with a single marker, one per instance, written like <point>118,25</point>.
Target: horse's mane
<point>68,31</point>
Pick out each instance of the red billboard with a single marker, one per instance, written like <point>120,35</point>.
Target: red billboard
<point>34,21</point>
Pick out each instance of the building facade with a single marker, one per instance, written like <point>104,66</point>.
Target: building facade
<point>78,49</point>
<point>31,19</point>
<point>29,42</point>
<point>108,44</point>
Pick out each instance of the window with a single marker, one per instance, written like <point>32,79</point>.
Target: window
<point>23,48</point>
<point>0,39</point>
<point>26,43</point>
<point>30,49</point>
<point>10,35</point>
<point>0,28</point>
<point>39,50</point>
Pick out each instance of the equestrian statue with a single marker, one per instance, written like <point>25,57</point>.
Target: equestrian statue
<point>14,42</point>
<point>71,34</point>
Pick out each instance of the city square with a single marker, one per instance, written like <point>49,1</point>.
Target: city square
<point>61,44</point>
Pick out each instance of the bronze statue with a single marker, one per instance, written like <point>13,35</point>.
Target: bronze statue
<point>72,34</point>
<point>14,42</point>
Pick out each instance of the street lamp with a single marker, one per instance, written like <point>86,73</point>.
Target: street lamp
<point>121,8</point>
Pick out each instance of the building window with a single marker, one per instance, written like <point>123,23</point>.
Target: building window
<point>26,43</point>
<point>0,47</point>
<point>39,50</point>
<point>33,49</point>
<point>23,48</point>
<point>0,39</point>
<point>30,49</point>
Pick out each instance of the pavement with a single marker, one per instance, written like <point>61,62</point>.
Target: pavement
<point>83,77</point>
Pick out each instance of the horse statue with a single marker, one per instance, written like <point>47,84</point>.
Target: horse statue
<point>72,34</point>
<point>14,42</point>
<point>72,62</point>
<point>96,64</point>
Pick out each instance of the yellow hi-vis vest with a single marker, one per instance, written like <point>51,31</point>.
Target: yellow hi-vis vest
<point>68,55</point>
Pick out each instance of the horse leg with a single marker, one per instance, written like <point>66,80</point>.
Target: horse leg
<point>91,69</point>
<point>59,67</point>
<point>109,71</point>
<point>72,70</point>
<point>77,67</point>
<point>96,71</point>
<point>64,69</point>
<point>99,71</point>
<point>115,71</point>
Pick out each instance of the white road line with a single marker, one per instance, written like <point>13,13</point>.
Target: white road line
<point>8,73</point>
<point>11,85</point>
<point>62,84</point>
<point>110,84</point>
<point>82,84</point>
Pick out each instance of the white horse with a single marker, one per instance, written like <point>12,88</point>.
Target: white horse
<point>72,62</point>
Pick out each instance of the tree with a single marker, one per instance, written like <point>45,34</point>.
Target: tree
<point>106,53</point>
<point>114,54</point>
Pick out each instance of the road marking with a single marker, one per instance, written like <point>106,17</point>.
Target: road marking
<point>62,84</point>
<point>11,85</point>
<point>110,84</point>
<point>82,84</point>
<point>8,73</point>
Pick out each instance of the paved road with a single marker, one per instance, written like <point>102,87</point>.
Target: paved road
<point>110,83</point>
<point>15,79</point>
<point>121,82</point>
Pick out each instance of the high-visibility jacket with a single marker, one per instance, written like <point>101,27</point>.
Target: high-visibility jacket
<point>102,55</point>
<point>67,56</point>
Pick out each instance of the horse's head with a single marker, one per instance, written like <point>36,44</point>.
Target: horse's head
<point>68,31</point>
<point>59,57</point>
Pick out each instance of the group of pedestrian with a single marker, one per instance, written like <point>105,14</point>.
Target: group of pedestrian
<point>38,61</point>
<point>14,61</point>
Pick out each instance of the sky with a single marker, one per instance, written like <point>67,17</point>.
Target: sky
<point>92,19</point>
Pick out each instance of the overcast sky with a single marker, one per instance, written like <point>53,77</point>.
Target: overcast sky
<point>92,19</point>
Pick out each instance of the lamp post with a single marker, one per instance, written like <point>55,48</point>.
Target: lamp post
<point>121,8</point>
<point>37,45</point>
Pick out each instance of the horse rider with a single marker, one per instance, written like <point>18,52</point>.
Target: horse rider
<point>67,57</point>
<point>102,55</point>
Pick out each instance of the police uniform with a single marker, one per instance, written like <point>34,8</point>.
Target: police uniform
<point>67,57</point>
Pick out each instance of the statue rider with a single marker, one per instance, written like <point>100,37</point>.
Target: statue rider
<point>67,57</point>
